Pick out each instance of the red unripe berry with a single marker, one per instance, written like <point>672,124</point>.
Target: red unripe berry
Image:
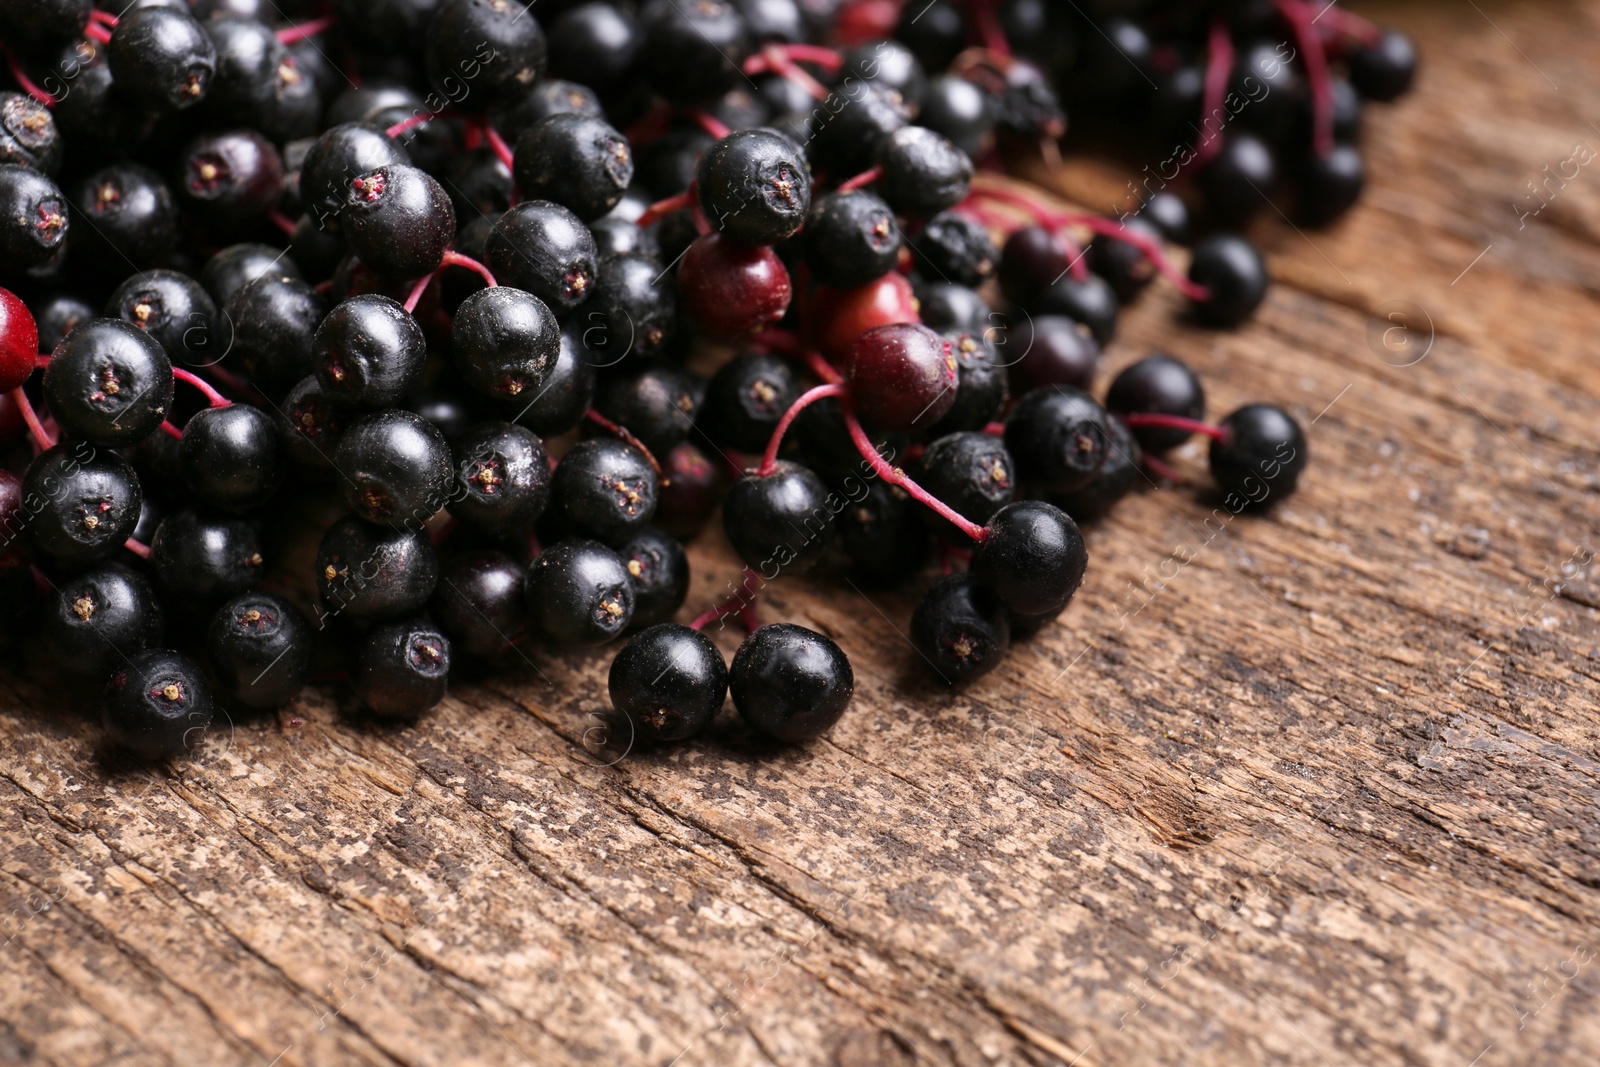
<point>19,341</point>
<point>732,290</point>
<point>902,376</point>
<point>839,316</point>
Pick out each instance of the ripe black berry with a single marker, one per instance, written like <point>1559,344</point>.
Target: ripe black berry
<point>275,319</point>
<point>577,161</point>
<point>957,249</point>
<point>1124,267</point>
<point>568,390</point>
<point>374,572</point>
<point>695,49</point>
<point>402,669</point>
<point>260,648</point>
<point>490,47</point>
<point>236,266</point>
<point>972,472</point>
<point>506,343</point>
<point>368,351</point>
<point>961,628</point>
<point>28,135</point>
<point>162,57</point>
<point>128,211</point>
<point>1234,274</point>
<point>1159,385</point>
<point>633,310</point>
<point>175,310</point>
<point>1117,476</point>
<point>396,468</point>
<point>745,399</point>
<point>603,489</point>
<point>1238,180</point>
<point>1033,559</point>
<point>660,571</point>
<point>580,593</point>
<point>923,173</point>
<point>313,424</point>
<point>340,155</point>
<point>479,603</point>
<point>502,478</point>
<point>546,250</point>
<point>754,187</point>
<point>1330,185</point>
<point>399,220</point>
<point>845,141</point>
<point>201,559</point>
<point>90,502</point>
<point>109,383</point>
<point>232,457</point>
<point>1259,457</point>
<point>1041,350</point>
<point>669,681</point>
<point>657,404</point>
<point>157,705</point>
<point>1058,438</point>
<point>779,521</point>
<point>1383,71</point>
<point>94,621</point>
<point>790,683</point>
<point>1090,302</point>
<point>850,239</point>
<point>231,179</point>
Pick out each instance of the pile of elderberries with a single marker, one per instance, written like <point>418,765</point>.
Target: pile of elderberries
<point>519,296</point>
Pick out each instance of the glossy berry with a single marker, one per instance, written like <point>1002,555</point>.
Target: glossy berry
<point>342,153</point>
<point>956,249</point>
<point>55,315</point>
<point>230,179</point>
<point>669,681</point>
<point>754,187</point>
<point>1330,185</point>
<point>884,533</point>
<point>694,51</point>
<point>176,310</point>
<point>399,220</point>
<point>402,669</point>
<point>506,343</point>
<point>162,58</point>
<point>577,161</point>
<point>1169,215</point>
<point>971,472</point>
<point>34,219</point>
<point>596,42</point>
<point>275,319</point>
<point>94,621</point>
<point>1041,350</point>
<point>603,489</point>
<point>313,422</point>
<point>19,341</point>
<point>745,400</point>
<point>259,647</point>
<point>981,386</point>
<point>28,135</point>
<point>1031,259</point>
<point>731,290</point>
<point>396,468</point>
<point>1058,437</point>
<point>1239,180</point>
<point>201,559</point>
<point>657,404</point>
<point>502,478</point>
<point>89,502</point>
<point>781,521</point>
<point>1089,302</point>
<point>1117,477</point>
<point>1158,385</point>
<point>1124,267</point>
<point>961,629</point>
<point>633,311</point>
<point>840,316</point>
<point>492,48</point>
<point>558,405</point>
<point>660,571</point>
<point>902,377</point>
<point>232,457</point>
<point>580,593</point>
<point>1384,71</point>
<point>847,140</point>
<point>368,351</point>
<point>373,572</point>
<point>850,239</point>
<point>109,383</point>
<point>1260,457</point>
<point>1234,275</point>
<point>479,605</point>
<point>544,249</point>
<point>236,266</point>
<point>958,109</point>
<point>923,173</point>
<point>128,211</point>
<point>157,705</point>
<point>790,683</point>
<point>1033,559</point>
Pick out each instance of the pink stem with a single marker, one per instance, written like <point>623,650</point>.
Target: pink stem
<point>1316,60</point>
<point>171,431</point>
<point>138,548</point>
<point>1152,420</point>
<point>710,123</point>
<point>1219,66</point>
<point>861,181</point>
<point>405,126</point>
<point>296,34</point>
<point>502,150</point>
<point>456,259</point>
<point>662,208</point>
<point>769,458</point>
<point>995,429</point>
<point>988,27</point>
<point>1151,249</point>
<point>103,17</point>
<point>624,434</point>
<point>826,58</point>
<point>282,222</point>
<point>415,296</point>
<point>230,380</point>
<point>41,361</point>
<point>29,416</point>
<point>96,32</point>
<point>1161,470</point>
<point>895,476</point>
<point>773,58</point>
<point>820,367</point>
<point>214,398</point>
<point>38,94</point>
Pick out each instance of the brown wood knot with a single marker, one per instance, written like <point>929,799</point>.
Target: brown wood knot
<point>874,1048</point>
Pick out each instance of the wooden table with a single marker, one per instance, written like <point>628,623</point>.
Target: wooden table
<point>1326,793</point>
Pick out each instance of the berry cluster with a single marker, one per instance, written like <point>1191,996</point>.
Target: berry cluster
<point>517,298</point>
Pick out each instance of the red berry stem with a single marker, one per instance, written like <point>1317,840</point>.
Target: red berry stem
<point>624,434</point>
<point>214,398</point>
<point>988,27</point>
<point>1151,249</point>
<point>296,34</point>
<point>40,436</point>
<point>38,94</point>
<point>709,123</point>
<point>171,431</point>
<point>1152,420</point>
<point>103,17</point>
<point>1219,66</point>
<point>228,380</point>
<point>415,296</point>
<point>742,603</point>
<point>502,151</point>
<point>861,181</point>
<point>1161,470</point>
<point>769,458</point>
<point>405,126</point>
<point>995,429</point>
<point>96,32</point>
<point>41,361</point>
<point>662,208</point>
<point>138,548</point>
<point>826,58</point>
<point>822,368</point>
<point>896,476</point>
<point>1300,17</point>
<point>282,222</point>
<point>776,59</point>
<point>456,259</point>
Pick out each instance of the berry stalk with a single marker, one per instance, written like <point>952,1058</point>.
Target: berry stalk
<point>1153,420</point>
<point>1299,17</point>
<point>1219,65</point>
<point>41,436</point>
<point>38,94</point>
<point>456,259</point>
<point>662,208</point>
<point>623,434</point>
<point>295,34</point>
<point>895,476</point>
<point>861,181</point>
<point>138,548</point>
<point>214,398</point>
<point>769,458</point>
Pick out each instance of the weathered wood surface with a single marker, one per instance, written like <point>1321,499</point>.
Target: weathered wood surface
<point>1328,796</point>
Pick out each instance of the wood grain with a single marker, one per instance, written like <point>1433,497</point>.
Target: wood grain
<point>1324,793</point>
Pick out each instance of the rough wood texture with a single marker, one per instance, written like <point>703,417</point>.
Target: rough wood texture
<point>1325,794</point>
